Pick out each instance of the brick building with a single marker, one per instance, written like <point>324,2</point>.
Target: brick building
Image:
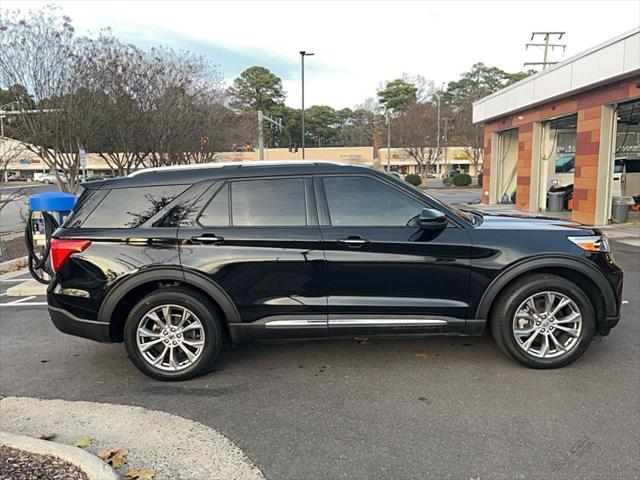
<point>575,125</point>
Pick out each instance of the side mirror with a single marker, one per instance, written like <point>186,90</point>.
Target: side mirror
<point>431,218</point>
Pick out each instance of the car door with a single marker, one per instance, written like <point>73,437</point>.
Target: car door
<point>259,241</point>
<point>386,274</point>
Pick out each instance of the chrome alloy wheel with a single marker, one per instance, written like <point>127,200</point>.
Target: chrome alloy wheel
<point>547,325</point>
<point>170,337</point>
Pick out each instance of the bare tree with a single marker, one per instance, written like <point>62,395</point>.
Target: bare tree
<point>41,52</point>
<point>421,135</point>
<point>9,152</point>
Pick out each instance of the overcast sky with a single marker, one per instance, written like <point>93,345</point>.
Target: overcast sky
<point>357,44</point>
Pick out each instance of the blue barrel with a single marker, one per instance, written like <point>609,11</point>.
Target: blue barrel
<point>58,203</point>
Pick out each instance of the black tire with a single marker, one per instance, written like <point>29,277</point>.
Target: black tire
<point>201,306</point>
<point>511,298</point>
<point>46,182</point>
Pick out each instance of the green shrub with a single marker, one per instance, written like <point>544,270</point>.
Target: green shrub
<point>413,179</point>
<point>480,178</point>
<point>462,180</point>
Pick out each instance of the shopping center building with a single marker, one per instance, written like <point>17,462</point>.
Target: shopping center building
<point>575,125</point>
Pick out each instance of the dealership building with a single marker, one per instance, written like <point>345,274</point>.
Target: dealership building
<point>575,125</point>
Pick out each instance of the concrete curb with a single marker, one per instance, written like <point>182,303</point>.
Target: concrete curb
<point>6,266</point>
<point>177,448</point>
<point>95,468</point>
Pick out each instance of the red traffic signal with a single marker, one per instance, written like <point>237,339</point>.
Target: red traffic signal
<point>204,141</point>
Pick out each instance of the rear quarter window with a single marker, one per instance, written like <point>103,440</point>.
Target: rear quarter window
<point>131,207</point>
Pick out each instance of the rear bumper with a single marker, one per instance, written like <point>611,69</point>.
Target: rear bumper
<point>72,325</point>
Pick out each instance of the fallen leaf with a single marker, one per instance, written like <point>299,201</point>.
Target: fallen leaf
<point>421,354</point>
<point>45,436</point>
<point>140,474</point>
<point>113,456</point>
<point>85,442</point>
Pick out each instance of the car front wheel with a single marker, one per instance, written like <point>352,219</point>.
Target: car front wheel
<point>543,321</point>
<point>172,334</point>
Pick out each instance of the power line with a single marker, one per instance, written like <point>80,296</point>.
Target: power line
<point>546,36</point>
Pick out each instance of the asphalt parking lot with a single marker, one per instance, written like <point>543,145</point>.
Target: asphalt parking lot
<point>444,407</point>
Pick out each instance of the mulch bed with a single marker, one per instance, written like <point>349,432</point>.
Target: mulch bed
<point>20,465</point>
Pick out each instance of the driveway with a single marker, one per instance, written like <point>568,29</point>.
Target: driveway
<point>379,409</point>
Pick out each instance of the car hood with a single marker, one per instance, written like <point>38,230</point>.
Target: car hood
<point>523,221</point>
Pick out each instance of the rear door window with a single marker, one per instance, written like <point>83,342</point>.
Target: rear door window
<point>278,202</point>
<point>131,207</point>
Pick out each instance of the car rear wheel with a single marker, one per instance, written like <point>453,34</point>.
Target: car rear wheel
<point>173,334</point>
<point>543,321</point>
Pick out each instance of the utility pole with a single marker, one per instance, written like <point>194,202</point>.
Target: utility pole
<point>261,119</point>
<point>546,45</point>
<point>302,55</point>
<point>446,144</point>
<point>438,140</point>
<point>260,134</point>
<point>388,141</point>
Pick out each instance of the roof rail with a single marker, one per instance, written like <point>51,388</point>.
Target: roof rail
<point>246,163</point>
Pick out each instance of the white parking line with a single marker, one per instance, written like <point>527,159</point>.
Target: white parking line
<point>23,304</point>
<point>20,300</point>
<point>15,280</point>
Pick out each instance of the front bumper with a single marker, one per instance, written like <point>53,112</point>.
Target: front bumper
<point>80,327</point>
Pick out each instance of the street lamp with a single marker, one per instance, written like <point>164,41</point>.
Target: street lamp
<point>302,55</point>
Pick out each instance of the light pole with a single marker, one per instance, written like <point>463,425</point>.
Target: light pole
<point>302,55</point>
<point>438,140</point>
<point>388,141</point>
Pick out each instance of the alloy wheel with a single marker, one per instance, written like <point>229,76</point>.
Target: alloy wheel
<point>547,325</point>
<point>170,337</point>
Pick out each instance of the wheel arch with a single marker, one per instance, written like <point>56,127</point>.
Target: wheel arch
<point>126,293</point>
<point>586,276</point>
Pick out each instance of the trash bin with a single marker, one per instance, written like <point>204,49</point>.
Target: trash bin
<point>620,208</point>
<point>555,201</point>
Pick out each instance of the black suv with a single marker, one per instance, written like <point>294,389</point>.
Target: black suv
<point>174,262</point>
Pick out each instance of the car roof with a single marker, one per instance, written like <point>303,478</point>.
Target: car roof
<point>189,174</point>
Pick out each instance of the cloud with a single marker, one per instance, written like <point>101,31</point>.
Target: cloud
<point>357,44</point>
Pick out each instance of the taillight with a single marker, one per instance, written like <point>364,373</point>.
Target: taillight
<point>61,248</point>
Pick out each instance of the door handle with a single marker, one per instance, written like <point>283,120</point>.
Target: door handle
<point>207,238</point>
<point>353,241</point>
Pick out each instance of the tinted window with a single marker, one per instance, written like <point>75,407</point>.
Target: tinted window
<point>277,202</point>
<point>131,207</point>
<point>84,206</point>
<point>216,214</point>
<point>357,201</point>
<point>632,166</point>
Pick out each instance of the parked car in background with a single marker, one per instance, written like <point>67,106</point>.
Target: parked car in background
<point>16,177</point>
<point>49,178</point>
<point>177,261</point>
